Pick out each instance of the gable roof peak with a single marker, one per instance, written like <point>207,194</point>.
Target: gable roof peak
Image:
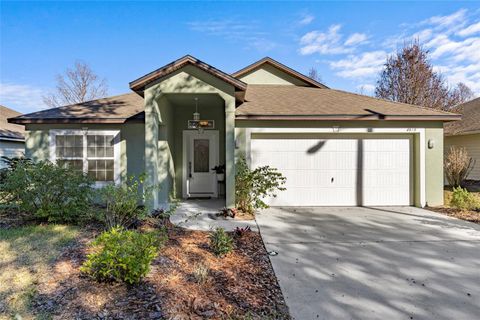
<point>139,84</point>
<point>280,66</point>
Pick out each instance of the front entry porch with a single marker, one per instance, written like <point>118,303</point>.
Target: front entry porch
<point>201,214</point>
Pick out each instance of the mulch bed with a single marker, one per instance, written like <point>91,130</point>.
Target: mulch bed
<point>471,216</point>
<point>240,285</point>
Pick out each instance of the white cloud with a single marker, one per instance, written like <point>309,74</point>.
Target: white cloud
<point>248,34</point>
<point>355,39</point>
<point>330,41</point>
<point>455,18</point>
<point>470,30</point>
<point>366,89</point>
<point>21,97</point>
<point>306,19</point>
<point>365,65</point>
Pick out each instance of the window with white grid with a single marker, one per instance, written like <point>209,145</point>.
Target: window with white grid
<point>90,152</point>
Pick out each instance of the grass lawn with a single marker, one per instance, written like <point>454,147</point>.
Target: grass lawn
<point>26,255</point>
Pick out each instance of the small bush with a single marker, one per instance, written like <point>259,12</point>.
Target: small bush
<point>251,186</point>
<point>46,190</point>
<point>241,232</point>
<point>464,200</point>
<point>220,242</point>
<point>122,255</point>
<point>200,273</point>
<point>124,202</point>
<point>458,164</point>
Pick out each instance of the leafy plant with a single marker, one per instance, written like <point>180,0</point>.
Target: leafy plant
<point>200,273</point>
<point>46,190</point>
<point>220,242</point>
<point>122,255</point>
<point>124,203</point>
<point>241,232</point>
<point>219,169</point>
<point>227,212</point>
<point>464,200</point>
<point>252,186</point>
<point>458,164</point>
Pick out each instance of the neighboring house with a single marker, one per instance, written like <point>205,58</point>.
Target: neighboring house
<point>466,133</point>
<point>334,147</point>
<point>12,136</point>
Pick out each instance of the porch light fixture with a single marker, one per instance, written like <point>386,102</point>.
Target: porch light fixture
<point>196,115</point>
<point>198,124</point>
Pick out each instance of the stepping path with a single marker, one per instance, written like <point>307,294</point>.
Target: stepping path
<point>202,215</point>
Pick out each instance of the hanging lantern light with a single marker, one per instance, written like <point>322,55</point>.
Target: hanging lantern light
<point>196,115</point>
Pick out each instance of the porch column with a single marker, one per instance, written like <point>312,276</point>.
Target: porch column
<point>229,151</point>
<point>151,145</point>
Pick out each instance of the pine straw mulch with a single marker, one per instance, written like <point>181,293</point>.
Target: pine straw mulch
<point>471,216</point>
<point>240,285</point>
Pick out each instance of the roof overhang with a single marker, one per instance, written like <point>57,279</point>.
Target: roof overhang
<point>76,120</point>
<point>284,68</point>
<point>139,84</point>
<point>350,117</point>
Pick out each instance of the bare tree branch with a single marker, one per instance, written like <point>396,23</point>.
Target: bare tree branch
<point>408,77</point>
<point>313,74</point>
<point>76,85</point>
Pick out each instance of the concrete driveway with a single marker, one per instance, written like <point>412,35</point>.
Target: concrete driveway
<point>374,263</point>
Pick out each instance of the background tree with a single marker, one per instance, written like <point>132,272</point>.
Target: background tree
<point>314,74</point>
<point>408,77</point>
<point>76,85</point>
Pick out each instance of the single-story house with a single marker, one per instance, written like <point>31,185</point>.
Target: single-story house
<point>466,133</point>
<point>335,148</point>
<point>12,136</point>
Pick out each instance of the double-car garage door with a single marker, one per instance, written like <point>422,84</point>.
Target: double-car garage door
<point>337,170</point>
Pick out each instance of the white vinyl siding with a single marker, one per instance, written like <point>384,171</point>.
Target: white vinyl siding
<point>472,143</point>
<point>11,149</point>
<point>338,172</point>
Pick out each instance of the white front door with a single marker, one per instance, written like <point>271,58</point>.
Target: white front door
<point>200,155</point>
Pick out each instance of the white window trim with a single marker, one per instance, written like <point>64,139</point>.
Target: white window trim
<point>116,149</point>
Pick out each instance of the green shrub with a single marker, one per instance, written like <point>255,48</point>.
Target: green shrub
<point>122,255</point>
<point>251,186</point>
<point>124,202</point>
<point>47,191</point>
<point>464,200</point>
<point>220,242</point>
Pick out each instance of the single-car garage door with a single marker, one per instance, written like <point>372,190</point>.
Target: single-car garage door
<point>337,170</point>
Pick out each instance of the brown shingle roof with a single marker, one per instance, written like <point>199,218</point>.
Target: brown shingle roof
<point>10,130</point>
<point>140,83</point>
<point>278,65</point>
<point>291,102</point>
<point>116,109</point>
<point>470,122</point>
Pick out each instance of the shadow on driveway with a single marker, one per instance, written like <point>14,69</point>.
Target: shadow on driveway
<point>374,263</point>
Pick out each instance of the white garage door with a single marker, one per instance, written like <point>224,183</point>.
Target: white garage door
<point>337,172</point>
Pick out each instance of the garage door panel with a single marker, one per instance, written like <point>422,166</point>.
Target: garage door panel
<point>338,171</point>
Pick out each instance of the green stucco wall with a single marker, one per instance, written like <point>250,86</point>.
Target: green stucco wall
<point>132,143</point>
<point>434,166</point>
<point>268,74</point>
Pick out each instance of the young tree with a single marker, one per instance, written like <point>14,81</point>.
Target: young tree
<point>313,74</point>
<point>408,77</point>
<point>76,85</point>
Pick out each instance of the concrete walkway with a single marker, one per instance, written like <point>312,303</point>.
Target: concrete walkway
<point>201,214</point>
<point>374,263</point>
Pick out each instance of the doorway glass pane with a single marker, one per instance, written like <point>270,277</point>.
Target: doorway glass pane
<point>201,154</point>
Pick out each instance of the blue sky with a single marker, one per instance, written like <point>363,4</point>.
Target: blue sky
<point>346,41</point>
